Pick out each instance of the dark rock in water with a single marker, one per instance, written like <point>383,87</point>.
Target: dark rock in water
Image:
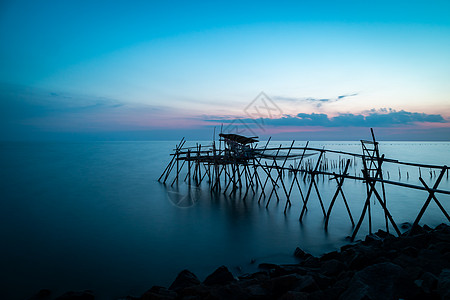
<point>332,267</point>
<point>442,227</point>
<point>311,262</point>
<point>261,275</point>
<point>330,255</point>
<point>82,295</point>
<point>361,260</point>
<point>293,295</point>
<point>282,284</point>
<point>372,239</point>
<point>415,265</point>
<point>444,284</point>
<point>406,225</point>
<point>266,266</point>
<point>184,279</point>
<point>256,291</point>
<point>42,295</point>
<point>158,293</point>
<point>378,281</point>
<point>416,230</point>
<point>220,276</point>
<point>306,284</point>
<point>200,291</point>
<point>410,251</point>
<point>381,233</point>
<point>299,253</point>
<point>427,228</point>
<point>427,282</point>
<point>226,292</point>
<point>323,281</point>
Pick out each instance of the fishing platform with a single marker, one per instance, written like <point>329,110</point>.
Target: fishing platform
<point>236,163</point>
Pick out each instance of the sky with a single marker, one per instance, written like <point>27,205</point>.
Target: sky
<point>161,70</point>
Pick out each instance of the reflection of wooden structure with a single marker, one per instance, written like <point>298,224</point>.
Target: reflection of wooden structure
<point>237,164</point>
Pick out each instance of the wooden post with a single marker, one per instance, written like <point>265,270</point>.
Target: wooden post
<point>313,173</point>
<point>340,182</point>
<point>430,196</point>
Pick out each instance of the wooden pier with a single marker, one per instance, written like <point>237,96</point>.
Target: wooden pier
<point>236,163</point>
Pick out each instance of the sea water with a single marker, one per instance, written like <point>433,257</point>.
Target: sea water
<point>92,215</point>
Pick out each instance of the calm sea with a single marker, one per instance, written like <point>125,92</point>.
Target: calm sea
<point>91,215</point>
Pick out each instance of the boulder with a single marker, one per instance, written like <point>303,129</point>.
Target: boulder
<point>230,291</point>
<point>330,255</point>
<point>311,262</point>
<point>299,253</point>
<point>220,276</point>
<point>184,279</point>
<point>372,240</point>
<point>282,284</point>
<point>158,293</point>
<point>77,295</point>
<point>332,267</point>
<point>306,284</point>
<point>293,295</point>
<point>410,251</point>
<point>256,291</point>
<point>427,282</point>
<point>444,284</point>
<point>406,226</point>
<point>375,282</point>
<point>41,295</point>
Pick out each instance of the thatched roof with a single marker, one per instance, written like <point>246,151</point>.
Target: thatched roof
<point>238,138</point>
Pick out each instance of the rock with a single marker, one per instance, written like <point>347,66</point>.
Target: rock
<point>226,292</point>
<point>346,247</point>
<point>282,284</point>
<point>391,253</point>
<point>323,281</point>
<point>332,267</point>
<point>413,266</point>
<point>442,227</point>
<point>406,226</point>
<point>381,233</point>
<point>220,276</point>
<point>80,295</point>
<point>200,291</point>
<point>266,266</point>
<point>311,262</point>
<point>444,284</point>
<point>416,230</point>
<point>41,295</point>
<point>378,281</point>
<point>293,295</point>
<point>306,284</point>
<point>427,282</point>
<point>299,253</point>
<point>360,261</point>
<point>427,228</point>
<point>330,255</point>
<point>410,251</point>
<point>260,276</point>
<point>184,279</point>
<point>158,293</point>
<point>255,291</point>
<point>329,294</point>
<point>372,240</point>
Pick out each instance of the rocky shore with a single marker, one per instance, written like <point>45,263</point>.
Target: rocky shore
<point>415,265</point>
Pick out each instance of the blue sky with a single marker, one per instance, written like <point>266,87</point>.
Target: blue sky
<point>161,70</point>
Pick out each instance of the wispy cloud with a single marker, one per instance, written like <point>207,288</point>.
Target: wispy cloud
<point>26,110</point>
<point>314,100</point>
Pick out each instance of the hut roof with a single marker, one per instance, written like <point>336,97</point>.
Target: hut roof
<point>238,138</point>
